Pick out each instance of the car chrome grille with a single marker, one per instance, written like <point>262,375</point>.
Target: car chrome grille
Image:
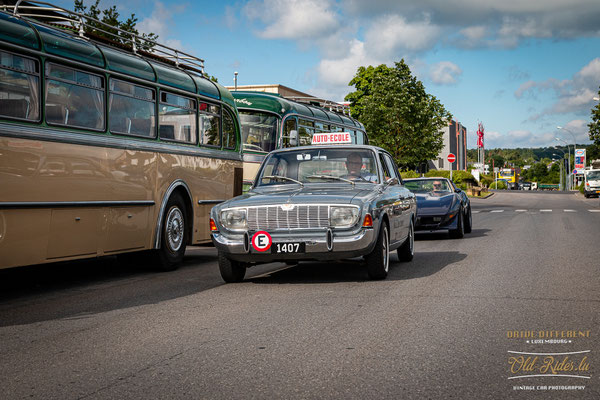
<point>301,216</point>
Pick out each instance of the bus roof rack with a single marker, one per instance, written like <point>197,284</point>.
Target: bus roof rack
<point>55,16</point>
<point>315,101</point>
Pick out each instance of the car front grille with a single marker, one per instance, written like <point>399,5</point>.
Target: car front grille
<point>300,216</point>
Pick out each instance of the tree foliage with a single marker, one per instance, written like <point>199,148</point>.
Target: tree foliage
<point>398,114</point>
<point>595,124</point>
<point>110,16</point>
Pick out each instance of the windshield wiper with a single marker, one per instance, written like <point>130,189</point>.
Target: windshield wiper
<point>282,177</point>
<point>332,177</point>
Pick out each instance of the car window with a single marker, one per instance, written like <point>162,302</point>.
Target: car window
<point>393,170</point>
<point>385,169</point>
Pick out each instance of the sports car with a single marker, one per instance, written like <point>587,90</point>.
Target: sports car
<point>322,202</point>
<point>441,206</point>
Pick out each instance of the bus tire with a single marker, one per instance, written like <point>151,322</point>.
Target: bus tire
<point>174,236</point>
<point>231,271</point>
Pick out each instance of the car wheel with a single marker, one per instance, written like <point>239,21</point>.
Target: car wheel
<point>174,237</point>
<point>406,252</point>
<point>468,221</point>
<point>378,262</point>
<point>587,196</point>
<point>459,232</point>
<point>231,270</point>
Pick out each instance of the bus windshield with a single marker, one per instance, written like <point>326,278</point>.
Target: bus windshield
<point>258,130</point>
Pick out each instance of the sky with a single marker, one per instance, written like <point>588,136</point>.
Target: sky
<point>521,67</point>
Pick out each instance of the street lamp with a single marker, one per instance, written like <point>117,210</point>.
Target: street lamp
<point>569,166</point>
<point>562,164</point>
<point>574,146</point>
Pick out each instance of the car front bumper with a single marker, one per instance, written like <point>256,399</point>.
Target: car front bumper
<point>343,246</point>
<point>435,222</point>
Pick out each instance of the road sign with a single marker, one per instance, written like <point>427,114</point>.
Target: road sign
<point>451,158</point>
<point>261,241</point>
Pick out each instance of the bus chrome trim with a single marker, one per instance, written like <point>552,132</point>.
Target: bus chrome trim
<point>202,202</point>
<point>61,204</point>
<point>163,205</point>
<point>101,139</point>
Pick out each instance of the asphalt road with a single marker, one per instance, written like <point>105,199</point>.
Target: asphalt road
<point>442,326</point>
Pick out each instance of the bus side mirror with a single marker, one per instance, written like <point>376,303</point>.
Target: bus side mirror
<point>293,138</point>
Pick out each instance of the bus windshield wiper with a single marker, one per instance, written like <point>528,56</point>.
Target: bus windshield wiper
<point>282,177</point>
<point>332,177</point>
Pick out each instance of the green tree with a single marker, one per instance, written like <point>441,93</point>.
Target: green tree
<point>398,114</point>
<point>595,124</point>
<point>110,16</point>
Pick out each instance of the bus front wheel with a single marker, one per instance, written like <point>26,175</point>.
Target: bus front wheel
<point>174,237</point>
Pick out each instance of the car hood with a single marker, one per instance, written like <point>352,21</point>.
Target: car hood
<point>429,204</point>
<point>321,194</point>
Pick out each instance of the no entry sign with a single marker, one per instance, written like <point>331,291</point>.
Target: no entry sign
<point>451,158</point>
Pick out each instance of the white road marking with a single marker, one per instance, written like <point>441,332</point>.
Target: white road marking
<point>594,210</point>
<point>545,210</point>
<point>494,211</point>
<point>520,210</point>
<point>475,212</point>
<point>569,211</point>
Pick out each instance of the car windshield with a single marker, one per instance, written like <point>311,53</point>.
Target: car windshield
<point>344,166</point>
<point>593,175</point>
<point>427,185</point>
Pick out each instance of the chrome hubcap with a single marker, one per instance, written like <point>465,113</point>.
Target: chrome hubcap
<point>174,229</point>
<point>386,251</point>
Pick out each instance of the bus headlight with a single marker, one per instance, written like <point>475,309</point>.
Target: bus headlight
<point>234,219</point>
<point>343,217</point>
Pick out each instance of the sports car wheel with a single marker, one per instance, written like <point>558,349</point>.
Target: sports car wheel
<point>378,262</point>
<point>407,250</point>
<point>468,221</point>
<point>231,271</point>
<point>459,232</point>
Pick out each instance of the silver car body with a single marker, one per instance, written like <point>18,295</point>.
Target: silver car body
<point>300,213</point>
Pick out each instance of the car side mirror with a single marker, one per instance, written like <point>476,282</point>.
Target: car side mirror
<point>391,181</point>
<point>457,190</point>
<point>293,138</point>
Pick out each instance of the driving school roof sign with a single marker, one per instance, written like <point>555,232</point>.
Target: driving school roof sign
<point>332,138</point>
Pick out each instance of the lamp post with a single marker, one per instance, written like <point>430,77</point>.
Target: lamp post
<point>572,180</point>
<point>569,166</point>
<point>562,165</point>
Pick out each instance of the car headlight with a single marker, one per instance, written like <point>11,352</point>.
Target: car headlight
<point>343,217</point>
<point>234,219</point>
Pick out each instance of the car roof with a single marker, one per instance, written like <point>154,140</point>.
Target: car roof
<point>331,146</point>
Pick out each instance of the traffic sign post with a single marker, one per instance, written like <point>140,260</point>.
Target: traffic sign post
<point>451,158</point>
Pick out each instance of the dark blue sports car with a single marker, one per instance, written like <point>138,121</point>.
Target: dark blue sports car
<point>441,206</point>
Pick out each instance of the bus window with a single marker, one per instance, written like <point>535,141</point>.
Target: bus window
<point>209,124</point>
<point>177,118</point>
<point>289,125</point>
<point>258,130</point>
<point>306,131</point>
<point>74,98</point>
<point>19,87</point>
<point>131,109</point>
<point>229,136</point>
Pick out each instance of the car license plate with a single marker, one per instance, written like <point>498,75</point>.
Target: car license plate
<point>288,248</point>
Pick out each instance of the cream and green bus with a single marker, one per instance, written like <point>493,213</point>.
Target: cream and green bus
<point>271,122</point>
<point>107,150</point>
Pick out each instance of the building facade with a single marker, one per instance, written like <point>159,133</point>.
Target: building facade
<point>455,142</point>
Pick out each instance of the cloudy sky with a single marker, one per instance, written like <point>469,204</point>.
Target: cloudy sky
<point>522,67</point>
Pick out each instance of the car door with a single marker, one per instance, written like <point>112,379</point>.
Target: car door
<point>397,196</point>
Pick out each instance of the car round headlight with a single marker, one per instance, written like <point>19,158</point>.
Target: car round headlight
<point>343,217</point>
<point>234,219</point>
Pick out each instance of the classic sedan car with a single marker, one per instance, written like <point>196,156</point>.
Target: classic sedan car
<point>328,202</point>
<point>441,206</point>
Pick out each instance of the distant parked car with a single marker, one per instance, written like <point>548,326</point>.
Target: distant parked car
<point>526,186</point>
<point>318,203</point>
<point>441,206</point>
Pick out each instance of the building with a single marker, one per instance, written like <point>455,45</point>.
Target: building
<point>455,142</point>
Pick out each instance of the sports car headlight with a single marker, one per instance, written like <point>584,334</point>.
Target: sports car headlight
<point>343,217</point>
<point>234,219</point>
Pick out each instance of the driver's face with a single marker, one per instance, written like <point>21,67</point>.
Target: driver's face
<point>354,165</point>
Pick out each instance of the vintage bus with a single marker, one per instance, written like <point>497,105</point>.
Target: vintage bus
<point>270,122</point>
<point>104,149</point>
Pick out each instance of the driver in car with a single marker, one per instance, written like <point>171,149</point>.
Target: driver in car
<point>354,163</point>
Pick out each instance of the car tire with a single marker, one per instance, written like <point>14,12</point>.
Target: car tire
<point>231,271</point>
<point>468,221</point>
<point>378,261</point>
<point>174,235</point>
<point>406,252</point>
<point>587,196</point>
<point>459,232</point>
